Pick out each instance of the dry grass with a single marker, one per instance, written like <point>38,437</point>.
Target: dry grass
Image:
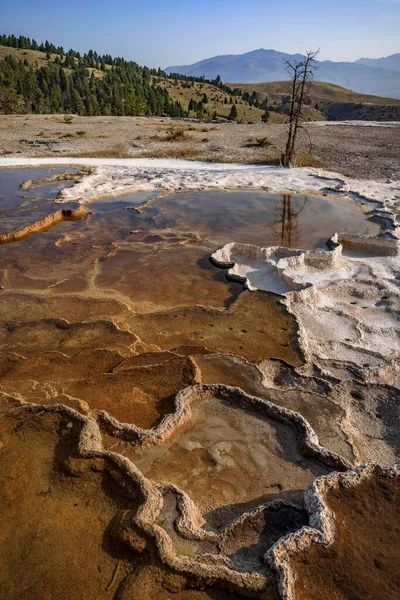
<point>264,142</point>
<point>272,161</point>
<point>341,149</point>
<point>176,134</point>
<point>64,119</point>
<point>48,134</point>
<point>193,153</point>
<point>276,118</point>
<point>186,153</point>
<point>203,129</point>
<point>159,125</point>
<point>34,57</point>
<point>216,100</point>
<point>319,90</point>
<point>59,134</point>
<point>172,134</point>
<point>182,93</point>
<point>117,151</point>
<point>305,159</point>
<point>261,142</point>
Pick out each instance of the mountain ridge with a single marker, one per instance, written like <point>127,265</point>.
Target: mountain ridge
<point>391,62</point>
<point>266,65</point>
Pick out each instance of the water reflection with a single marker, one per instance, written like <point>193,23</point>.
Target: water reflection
<point>259,218</point>
<point>288,221</point>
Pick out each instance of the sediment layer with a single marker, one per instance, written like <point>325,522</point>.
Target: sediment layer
<point>64,214</point>
<point>325,524</point>
<point>185,418</point>
<point>343,299</point>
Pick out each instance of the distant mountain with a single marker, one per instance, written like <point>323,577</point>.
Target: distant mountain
<point>391,62</point>
<point>336,103</point>
<point>268,65</point>
<point>251,67</point>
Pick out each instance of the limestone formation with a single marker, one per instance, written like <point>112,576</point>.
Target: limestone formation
<point>166,433</point>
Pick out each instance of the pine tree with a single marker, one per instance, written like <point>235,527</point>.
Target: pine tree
<point>55,100</point>
<point>265,116</point>
<point>66,85</point>
<point>233,113</point>
<point>77,104</point>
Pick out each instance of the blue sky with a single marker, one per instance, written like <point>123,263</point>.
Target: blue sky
<point>165,32</point>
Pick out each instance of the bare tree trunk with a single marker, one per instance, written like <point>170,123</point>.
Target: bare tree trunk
<point>294,68</point>
<point>300,73</point>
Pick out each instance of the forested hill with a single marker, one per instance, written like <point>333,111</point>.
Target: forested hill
<point>44,78</point>
<point>69,83</point>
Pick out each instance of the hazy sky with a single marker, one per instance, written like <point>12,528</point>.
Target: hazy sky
<point>167,32</point>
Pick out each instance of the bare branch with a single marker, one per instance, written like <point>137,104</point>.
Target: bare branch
<point>308,135</point>
<point>301,73</point>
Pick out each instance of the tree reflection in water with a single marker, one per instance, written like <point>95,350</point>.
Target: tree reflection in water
<point>288,221</point>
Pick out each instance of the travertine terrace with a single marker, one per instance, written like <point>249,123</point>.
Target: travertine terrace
<point>198,382</point>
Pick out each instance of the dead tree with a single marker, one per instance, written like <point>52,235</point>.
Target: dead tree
<point>301,73</point>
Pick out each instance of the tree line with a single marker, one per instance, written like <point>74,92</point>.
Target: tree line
<point>68,83</point>
<point>71,58</point>
<point>26,43</point>
<point>123,90</point>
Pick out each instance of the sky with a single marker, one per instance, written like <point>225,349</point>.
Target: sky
<point>160,33</point>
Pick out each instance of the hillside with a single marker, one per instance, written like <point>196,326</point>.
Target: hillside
<point>33,80</point>
<point>54,81</point>
<point>319,90</point>
<point>269,65</point>
<point>37,59</point>
<point>218,100</point>
<point>336,102</point>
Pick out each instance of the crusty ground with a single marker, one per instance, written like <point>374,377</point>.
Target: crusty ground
<point>360,151</point>
<point>56,536</point>
<point>156,582</point>
<point>62,534</point>
<point>363,562</point>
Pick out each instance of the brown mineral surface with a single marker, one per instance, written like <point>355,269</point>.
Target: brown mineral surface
<point>159,422</point>
<point>320,410</point>
<point>56,533</point>
<point>155,581</point>
<point>223,445</point>
<point>255,327</point>
<point>141,394</point>
<point>363,561</point>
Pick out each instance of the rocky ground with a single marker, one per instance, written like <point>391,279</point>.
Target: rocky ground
<point>354,150</point>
